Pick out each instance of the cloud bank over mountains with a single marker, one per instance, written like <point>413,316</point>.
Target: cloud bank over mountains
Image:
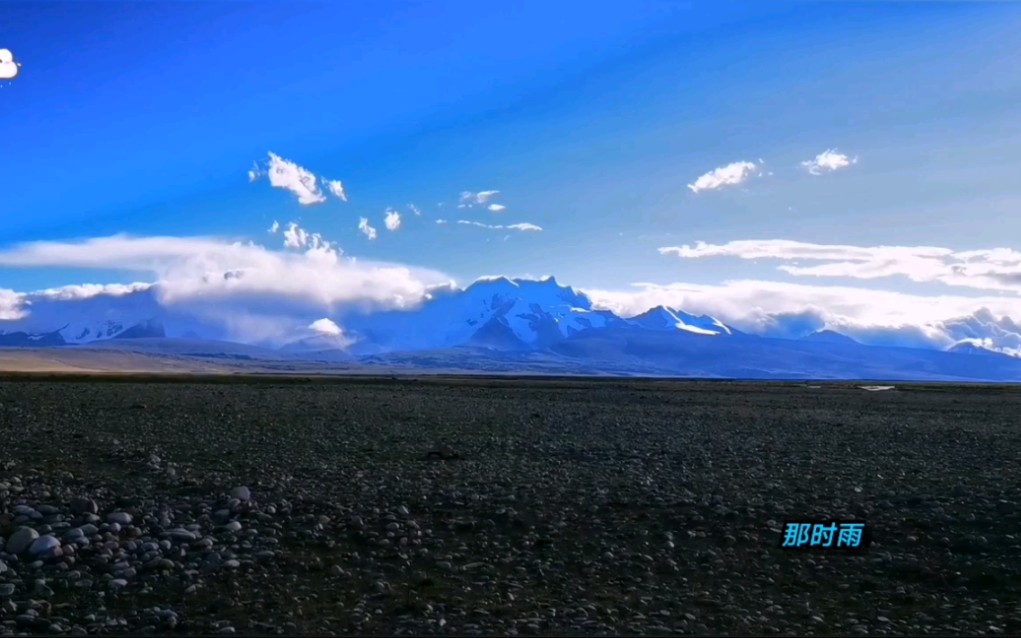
<point>307,284</point>
<point>260,293</point>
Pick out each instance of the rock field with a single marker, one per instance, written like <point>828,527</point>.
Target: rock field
<point>488,506</point>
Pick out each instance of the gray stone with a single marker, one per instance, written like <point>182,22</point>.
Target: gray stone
<point>120,518</point>
<point>84,506</point>
<point>21,540</point>
<point>181,535</point>
<point>44,546</point>
<point>26,510</point>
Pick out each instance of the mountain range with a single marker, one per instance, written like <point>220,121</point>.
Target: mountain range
<point>494,324</point>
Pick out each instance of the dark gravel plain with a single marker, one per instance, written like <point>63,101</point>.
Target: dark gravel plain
<point>308,506</point>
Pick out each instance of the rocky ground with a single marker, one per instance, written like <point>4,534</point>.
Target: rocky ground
<point>283,506</point>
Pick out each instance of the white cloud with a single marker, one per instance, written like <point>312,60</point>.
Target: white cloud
<point>326,326</point>
<point>414,209</point>
<point>300,181</point>
<point>789,310</point>
<point>470,199</point>
<point>336,187</point>
<point>295,236</point>
<point>367,230</point>
<point>392,220</point>
<point>275,228</point>
<point>730,175</point>
<point>988,269</point>
<point>523,227</point>
<point>497,208</point>
<point>8,66</point>
<point>85,291</point>
<point>11,305</point>
<point>828,161</point>
<point>298,238</point>
<point>260,294</point>
<point>205,269</point>
<point>789,249</point>
<point>441,222</point>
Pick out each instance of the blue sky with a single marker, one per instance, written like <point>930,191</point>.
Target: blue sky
<point>590,118</point>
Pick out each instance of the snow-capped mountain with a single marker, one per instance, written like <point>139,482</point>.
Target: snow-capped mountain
<point>830,336</point>
<point>499,313</point>
<point>662,318</point>
<point>517,322</point>
<point>70,319</point>
<point>496,313</point>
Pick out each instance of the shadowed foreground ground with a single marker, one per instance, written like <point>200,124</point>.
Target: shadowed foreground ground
<point>576,507</point>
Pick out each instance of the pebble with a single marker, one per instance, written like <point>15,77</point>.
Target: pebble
<point>119,518</point>
<point>181,535</point>
<point>27,511</point>
<point>241,493</point>
<point>474,562</point>
<point>44,546</point>
<point>81,506</point>
<point>21,540</point>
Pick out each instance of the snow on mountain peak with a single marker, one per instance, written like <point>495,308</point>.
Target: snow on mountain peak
<point>663,318</point>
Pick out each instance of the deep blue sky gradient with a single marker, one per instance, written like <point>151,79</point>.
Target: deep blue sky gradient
<point>589,117</point>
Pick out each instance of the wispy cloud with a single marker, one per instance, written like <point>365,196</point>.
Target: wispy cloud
<point>987,269</point>
<point>828,161</point>
<point>471,199</point>
<point>523,227</point>
<point>414,209</point>
<point>732,174</point>
<point>297,238</point>
<point>392,220</point>
<point>274,228</point>
<point>300,181</point>
<point>367,229</point>
<point>336,187</point>
<point>497,208</point>
<point>441,222</point>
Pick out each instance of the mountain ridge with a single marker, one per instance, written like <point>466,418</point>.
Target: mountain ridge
<point>509,321</point>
